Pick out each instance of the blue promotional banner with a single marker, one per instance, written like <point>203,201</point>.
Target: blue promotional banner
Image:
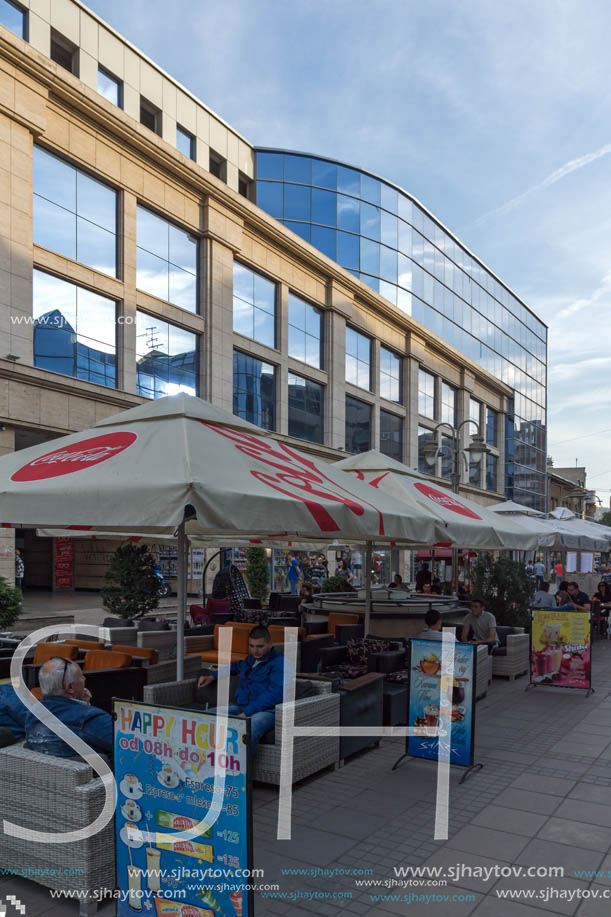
<point>164,765</point>
<point>444,701</point>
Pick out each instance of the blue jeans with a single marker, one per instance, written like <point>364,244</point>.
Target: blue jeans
<point>260,723</point>
<point>294,583</point>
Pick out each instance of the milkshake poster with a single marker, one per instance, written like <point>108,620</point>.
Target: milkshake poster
<point>444,701</point>
<point>164,764</point>
<point>560,648</point>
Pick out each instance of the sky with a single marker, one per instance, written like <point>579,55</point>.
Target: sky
<point>495,116</point>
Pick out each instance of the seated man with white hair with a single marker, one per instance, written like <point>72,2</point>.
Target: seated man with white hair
<point>62,684</point>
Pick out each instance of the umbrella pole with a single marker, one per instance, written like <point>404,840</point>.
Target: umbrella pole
<point>181,596</point>
<point>368,564</point>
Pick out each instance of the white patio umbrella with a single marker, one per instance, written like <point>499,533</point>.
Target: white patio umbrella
<point>510,506</point>
<point>583,526</point>
<point>557,534</point>
<point>182,464</point>
<point>468,524</point>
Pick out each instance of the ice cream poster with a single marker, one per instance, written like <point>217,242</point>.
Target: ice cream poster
<point>560,648</point>
<point>164,765</point>
<point>443,701</point>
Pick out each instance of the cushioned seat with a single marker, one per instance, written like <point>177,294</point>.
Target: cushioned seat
<point>96,660</point>
<point>213,656</point>
<point>46,651</point>
<point>137,652</point>
<point>86,644</point>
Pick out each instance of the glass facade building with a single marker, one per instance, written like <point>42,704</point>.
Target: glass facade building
<point>387,239</point>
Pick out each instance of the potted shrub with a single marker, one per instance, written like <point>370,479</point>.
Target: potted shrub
<point>132,586</point>
<point>505,589</point>
<point>10,604</point>
<point>257,573</point>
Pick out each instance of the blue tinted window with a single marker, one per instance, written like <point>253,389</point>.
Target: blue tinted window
<point>491,472</point>
<point>297,168</point>
<point>405,209</point>
<point>185,142</point>
<point>370,221</point>
<point>358,426</point>
<point>348,250</point>
<point>390,375</point>
<point>370,189</point>
<point>388,264</point>
<point>269,197</point>
<point>296,202</point>
<point>348,181</point>
<point>348,213</point>
<point>13,17</point>
<point>110,88</point>
<point>391,435</point>
<point>358,359</point>
<point>491,427</point>
<point>373,282</point>
<point>426,394</point>
<point>324,174</point>
<point>390,198</point>
<point>254,305</point>
<point>254,390</point>
<point>74,214</point>
<point>74,330</point>
<point>166,260</point>
<point>425,437</point>
<point>388,229</point>
<point>370,257</point>
<point>324,207</point>
<point>302,229</point>
<point>270,165</point>
<point>306,409</point>
<point>324,240</point>
<point>166,358</point>
<point>305,331</point>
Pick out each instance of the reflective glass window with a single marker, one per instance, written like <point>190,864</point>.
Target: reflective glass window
<point>74,214</point>
<point>110,87</point>
<point>349,181</point>
<point>166,358</point>
<point>306,409</point>
<point>388,291</point>
<point>302,229</point>
<point>405,209</point>
<point>390,375</point>
<point>325,241</point>
<point>388,229</point>
<point>491,472</point>
<point>370,221</point>
<point>270,165</point>
<point>447,456</point>
<point>185,142</point>
<point>425,436</point>
<point>324,174</point>
<point>305,331</point>
<point>370,189</point>
<point>12,17</point>
<point>448,404</point>
<point>426,394</point>
<point>390,198</point>
<point>388,264</point>
<point>324,207</point>
<point>370,257</point>
<point>296,202</point>
<point>358,425</point>
<point>358,359</point>
<point>269,197</point>
<point>254,305</point>
<point>297,169</point>
<point>491,437</point>
<point>166,260</point>
<point>348,250</point>
<point>391,435</point>
<point>474,414</point>
<point>348,213</point>
<point>74,330</point>
<point>475,473</point>
<point>254,390</point>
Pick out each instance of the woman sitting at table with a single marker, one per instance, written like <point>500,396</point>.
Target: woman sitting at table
<point>563,601</point>
<point>603,594</point>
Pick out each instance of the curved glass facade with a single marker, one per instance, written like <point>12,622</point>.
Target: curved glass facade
<point>384,237</point>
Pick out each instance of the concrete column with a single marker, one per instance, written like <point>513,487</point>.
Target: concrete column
<point>411,421</point>
<point>127,332</point>
<point>217,308</point>
<point>335,361</point>
<point>282,373</point>
<point>7,536</point>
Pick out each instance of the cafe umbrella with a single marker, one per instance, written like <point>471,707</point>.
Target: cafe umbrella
<point>180,464</point>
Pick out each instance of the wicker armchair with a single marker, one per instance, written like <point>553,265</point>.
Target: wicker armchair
<point>513,658</point>
<point>58,795</point>
<point>483,675</point>
<point>310,753</point>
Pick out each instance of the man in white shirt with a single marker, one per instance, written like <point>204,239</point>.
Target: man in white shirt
<point>433,630</point>
<point>542,597</point>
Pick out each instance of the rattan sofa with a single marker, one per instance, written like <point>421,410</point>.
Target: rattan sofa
<point>310,753</point>
<point>513,658</point>
<point>46,793</point>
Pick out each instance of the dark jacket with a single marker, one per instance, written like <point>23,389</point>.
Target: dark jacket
<point>92,725</point>
<point>261,686</point>
<point>12,711</point>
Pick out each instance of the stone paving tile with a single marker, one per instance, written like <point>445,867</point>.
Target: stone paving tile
<point>576,833</point>
<point>427,909</point>
<point>594,907</point>
<point>527,801</point>
<point>501,907</point>
<point>488,842</point>
<point>469,870</point>
<point>577,810</point>
<point>589,793</point>
<point>555,786</point>
<point>514,821</point>
<point>539,884</point>
<point>543,852</point>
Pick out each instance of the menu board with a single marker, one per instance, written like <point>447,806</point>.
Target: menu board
<point>444,701</point>
<point>63,564</point>
<point>164,765</point>
<point>560,648</point>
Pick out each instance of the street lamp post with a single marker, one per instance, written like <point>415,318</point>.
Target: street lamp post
<point>475,451</point>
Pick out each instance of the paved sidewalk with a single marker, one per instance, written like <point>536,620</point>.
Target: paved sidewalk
<point>542,798</point>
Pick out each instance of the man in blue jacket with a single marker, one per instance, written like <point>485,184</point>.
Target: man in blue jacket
<point>261,685</point>
<point>12,716</point>
<point>64,693</point>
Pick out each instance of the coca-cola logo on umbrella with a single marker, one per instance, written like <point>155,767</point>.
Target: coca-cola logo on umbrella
<point>75,457</point>
<point>445,499</point>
